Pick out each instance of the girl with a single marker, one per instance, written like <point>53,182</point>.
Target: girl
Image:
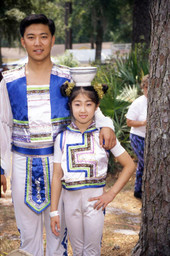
<point>80,167</point>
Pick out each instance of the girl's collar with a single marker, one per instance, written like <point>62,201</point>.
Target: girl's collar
<point>72,127</point>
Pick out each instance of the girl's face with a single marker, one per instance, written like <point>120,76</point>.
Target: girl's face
<point>83,109</point>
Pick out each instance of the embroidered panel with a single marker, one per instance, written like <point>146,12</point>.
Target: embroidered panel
<point>37,186</point>
<point>39,113</point>
<point>13,74</point>
<point>84,162</point>
<point>76,161</point>
<point>20,131</point>
<point>59,124</point>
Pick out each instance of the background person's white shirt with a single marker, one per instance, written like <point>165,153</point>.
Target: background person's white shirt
<point>138,112</point>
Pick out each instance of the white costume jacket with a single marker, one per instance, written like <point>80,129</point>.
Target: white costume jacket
<point>83,161</point>
<point>30,117</point>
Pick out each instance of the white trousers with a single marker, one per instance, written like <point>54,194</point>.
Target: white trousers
<point>84,223</point>
<point>31,224</point>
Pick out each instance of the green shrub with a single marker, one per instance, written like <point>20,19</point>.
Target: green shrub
<point>132,67</point>
<point>67,59</point>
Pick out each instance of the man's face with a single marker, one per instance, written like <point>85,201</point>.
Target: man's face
<point>38,41</point>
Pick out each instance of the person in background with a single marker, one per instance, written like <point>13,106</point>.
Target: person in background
<point>32,111</point>
<point>80,166</point>
<point>136,119</point>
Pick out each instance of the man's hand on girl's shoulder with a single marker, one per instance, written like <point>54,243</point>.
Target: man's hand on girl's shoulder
<point>107,138</point>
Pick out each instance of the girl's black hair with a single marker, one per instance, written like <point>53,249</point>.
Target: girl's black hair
<point>36,19</point>
<point>88,90</point>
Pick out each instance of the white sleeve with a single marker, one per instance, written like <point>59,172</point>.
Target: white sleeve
<point>132,113</point>
<point>5,128</point>
<point>117,150</point>
<point>103,121</point>
<point>57,149</point>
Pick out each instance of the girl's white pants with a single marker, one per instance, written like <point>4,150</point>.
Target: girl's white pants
<point>84,223</point>
<point>31,224</point>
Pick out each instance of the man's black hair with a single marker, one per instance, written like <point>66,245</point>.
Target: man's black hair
<point>36,19</point>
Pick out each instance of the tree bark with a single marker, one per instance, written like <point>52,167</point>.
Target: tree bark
<point>68,31</point>
<point>99,40</point>
<point>155,229</point>
<point>141,23</point>
<point>92,42</point>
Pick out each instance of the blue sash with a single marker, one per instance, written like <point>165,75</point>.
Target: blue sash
<point>37,185</point>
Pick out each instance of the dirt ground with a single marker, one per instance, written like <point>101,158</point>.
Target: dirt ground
<point>121,229</point>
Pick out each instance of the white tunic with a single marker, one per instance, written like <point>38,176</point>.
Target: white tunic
<point>83,161</point>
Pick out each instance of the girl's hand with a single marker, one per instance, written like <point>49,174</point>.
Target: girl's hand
<point>55,221</point>
<point>103,200</point>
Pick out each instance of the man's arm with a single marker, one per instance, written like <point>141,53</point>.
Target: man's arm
<point>107,136</point>
<point>5,130</point>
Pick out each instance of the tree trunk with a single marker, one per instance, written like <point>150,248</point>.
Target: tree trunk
<point>92,42</point>
<point>99,40</point>
<point>68,31</point>
<point>155,229</point>
<point>141,23</point>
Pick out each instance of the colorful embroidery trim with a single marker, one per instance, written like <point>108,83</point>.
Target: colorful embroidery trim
<point>84,184</point>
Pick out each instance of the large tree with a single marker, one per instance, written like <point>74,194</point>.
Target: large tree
<point>141,23</point>
<point>155,229</point>
<point>68,30</point>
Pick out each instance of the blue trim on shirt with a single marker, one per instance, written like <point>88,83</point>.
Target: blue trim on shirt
<point>79,144</point>
<point>61,140</point>
<point>84,187</point>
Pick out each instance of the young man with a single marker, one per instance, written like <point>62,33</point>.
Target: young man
<point>31,113</point>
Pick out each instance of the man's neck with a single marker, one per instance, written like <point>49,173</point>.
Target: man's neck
<point>38,72</point>
<point>39,66</point>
